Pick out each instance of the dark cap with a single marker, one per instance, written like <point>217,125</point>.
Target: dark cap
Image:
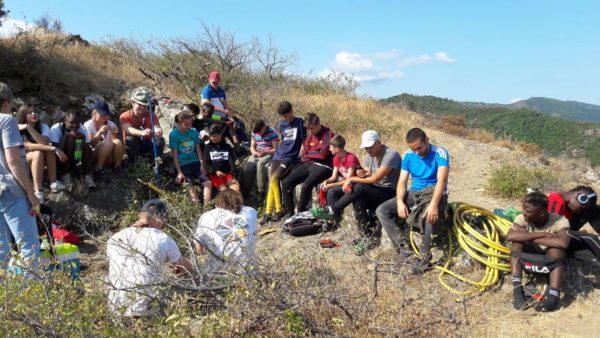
<point>155,207</point>
<point>102,108</point>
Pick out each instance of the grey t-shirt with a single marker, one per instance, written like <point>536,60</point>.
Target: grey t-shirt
<point>391,158</point>
<point>9,137</point>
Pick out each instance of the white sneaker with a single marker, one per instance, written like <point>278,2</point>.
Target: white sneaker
<point>89,181</point>
<point>40,196</point>
<point>57,186</point>
<point>67,179</point>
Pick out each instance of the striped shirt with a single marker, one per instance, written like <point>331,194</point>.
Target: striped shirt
<point>265,141</point>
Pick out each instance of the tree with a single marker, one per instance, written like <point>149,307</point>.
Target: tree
<point>2,11</point>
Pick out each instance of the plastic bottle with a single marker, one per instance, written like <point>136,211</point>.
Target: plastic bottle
<point>78,149</point>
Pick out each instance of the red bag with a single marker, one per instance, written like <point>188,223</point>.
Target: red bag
<point>322,197</point>
<point>63,235</point>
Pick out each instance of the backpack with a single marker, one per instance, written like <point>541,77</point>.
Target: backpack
<point>302,224</point>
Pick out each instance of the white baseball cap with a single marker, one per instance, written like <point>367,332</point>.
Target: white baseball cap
<point>368,138</point>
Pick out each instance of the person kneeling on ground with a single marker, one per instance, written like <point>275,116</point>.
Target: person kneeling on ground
<point>137,127</point>
<point>317,163</point>
<point>103,136</point>
<point>185,146</point>
<point>219,161</point>
<point>264,141</point>
<point>141,258</point>
<point>71,137</point>
<point>227,233</point>
<point>345,165</point>
<point>423,206</point>
<point>40,153</point>
<point>540,232</point>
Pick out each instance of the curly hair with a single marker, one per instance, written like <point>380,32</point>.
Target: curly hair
<point>536,199</point>
<point>229,200</point>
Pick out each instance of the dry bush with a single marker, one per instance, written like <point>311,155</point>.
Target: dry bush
<point>530,149</point>
<point>481,135</point>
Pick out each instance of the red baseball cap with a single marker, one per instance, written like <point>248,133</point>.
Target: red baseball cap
<point>214,76</point>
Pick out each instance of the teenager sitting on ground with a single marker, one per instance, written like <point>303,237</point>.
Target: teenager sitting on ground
<point>71,137</point>
<point>578,205</point>
<point>264,141</point>
<point>18,203</point>
<point>285,157</point>
<point>422,206</point>
<point>219,161</point>
<point>540,232</point>
<point>345,165</point>
<point>185,146</point>
<point>137,127</point>
<point>40,153</point>
<point>227,233</point>
<point>316,165</point>
<point>103,136</point>
<point>140,259</point>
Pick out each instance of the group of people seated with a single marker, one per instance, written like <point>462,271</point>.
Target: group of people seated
<point>387,190</point>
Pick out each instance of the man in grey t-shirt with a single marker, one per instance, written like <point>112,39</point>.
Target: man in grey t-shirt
<point>18,203</point>
<point>375,183</point>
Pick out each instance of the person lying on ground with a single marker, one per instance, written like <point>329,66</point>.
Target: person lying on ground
<point>136,124</point>
<point>422,205</point>
<point>539,232</point>
<point>578,205</point>
<point>263,142</point>
<point>285,157</point>
<point>40,153</point>
<point>227,234</point>
<point>345,165</point>
<point>316,165</point>
<point>187,156</point>
<point>219,161</point>
<point>71,137</point>
<point>18,202</point>
<point>141,260</point>
<point>103,133</point>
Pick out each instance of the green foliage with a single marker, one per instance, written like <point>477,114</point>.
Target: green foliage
<point>512,181</point>
<point>3,12</point>
<point>554,135</point>
<point>567,109</point>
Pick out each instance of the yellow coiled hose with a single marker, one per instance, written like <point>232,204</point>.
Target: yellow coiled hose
<point>481,244</point>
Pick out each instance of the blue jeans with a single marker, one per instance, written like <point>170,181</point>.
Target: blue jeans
<point>15,220</point>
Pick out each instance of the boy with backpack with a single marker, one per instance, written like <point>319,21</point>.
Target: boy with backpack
<point>219,161</point>
<point>185,146</point>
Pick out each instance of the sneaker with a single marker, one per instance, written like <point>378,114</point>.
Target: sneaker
<point>279,216</point>
<point>88,180</point>
<point>40,196</point>
<point>57,186</point>
<point>265,219</point>
<point>321,213</point>
<point>67,179</point>
<point>421,265</point>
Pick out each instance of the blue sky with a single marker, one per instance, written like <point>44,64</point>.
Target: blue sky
<point>465,50</point>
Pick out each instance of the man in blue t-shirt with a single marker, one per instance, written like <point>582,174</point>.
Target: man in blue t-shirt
<point>422,207</point>
<point>214,94</point>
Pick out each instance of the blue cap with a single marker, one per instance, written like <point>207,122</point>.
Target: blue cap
<point>102,108</point>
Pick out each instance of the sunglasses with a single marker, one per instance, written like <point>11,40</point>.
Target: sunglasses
<point>584,199</point>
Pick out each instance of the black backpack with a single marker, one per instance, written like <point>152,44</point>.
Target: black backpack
<point>302,224</point>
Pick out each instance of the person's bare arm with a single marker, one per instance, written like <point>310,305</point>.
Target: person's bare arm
<point>431,213</point>
<point>21,174</point>
<point>401,194</point>
<point>560,240</point>
<point>372,179</point>
<point>517,234</point>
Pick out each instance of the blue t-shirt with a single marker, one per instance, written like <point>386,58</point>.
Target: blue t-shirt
<point>185,145</point>
<point>423,171</point>
<point>215,96</point>
<point>292,135</point>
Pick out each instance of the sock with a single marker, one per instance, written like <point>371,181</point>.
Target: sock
<point>276,194</point>
<point>550,302</point>
<point>518,296</point>
<point>270,202</point>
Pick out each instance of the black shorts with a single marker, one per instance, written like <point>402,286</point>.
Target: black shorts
<point>192,173</point>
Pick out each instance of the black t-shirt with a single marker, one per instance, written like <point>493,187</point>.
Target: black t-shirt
<point>591,215</point>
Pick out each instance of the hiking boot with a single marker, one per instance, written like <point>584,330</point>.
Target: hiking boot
<point>265,219</point>
<point>40,196</point>
<point>422,265</point>
<point>321,213</point>
<point>88,180</point>
<point>278,216</point>
<point>57,186</point>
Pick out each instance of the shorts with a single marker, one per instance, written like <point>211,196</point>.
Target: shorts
<point>192,173</point>
<point>219,181</point>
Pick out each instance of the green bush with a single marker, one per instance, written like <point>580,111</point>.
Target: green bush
<point>512,181</point>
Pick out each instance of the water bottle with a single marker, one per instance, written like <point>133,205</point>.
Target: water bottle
<point>78,149</point>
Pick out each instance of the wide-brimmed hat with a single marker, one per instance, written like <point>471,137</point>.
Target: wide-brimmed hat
<point>141,96</point>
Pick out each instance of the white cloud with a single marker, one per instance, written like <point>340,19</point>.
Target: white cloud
<point>11,26</point>
<point>516,99</point>
<point>380,66</point>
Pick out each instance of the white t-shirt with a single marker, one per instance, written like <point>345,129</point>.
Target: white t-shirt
<point>90,126</point>
<point>138,260</point>
<point>231,237</point>
<point>56,133</point>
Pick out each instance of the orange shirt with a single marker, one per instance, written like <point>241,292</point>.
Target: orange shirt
<point>128,118</point>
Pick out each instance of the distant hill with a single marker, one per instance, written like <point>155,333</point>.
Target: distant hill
<point>555,135</point>
<point>572,110</point>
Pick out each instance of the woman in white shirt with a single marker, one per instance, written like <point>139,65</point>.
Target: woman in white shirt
<point>40,152</point>
<point>102,133</point>
<point>227,234</point>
